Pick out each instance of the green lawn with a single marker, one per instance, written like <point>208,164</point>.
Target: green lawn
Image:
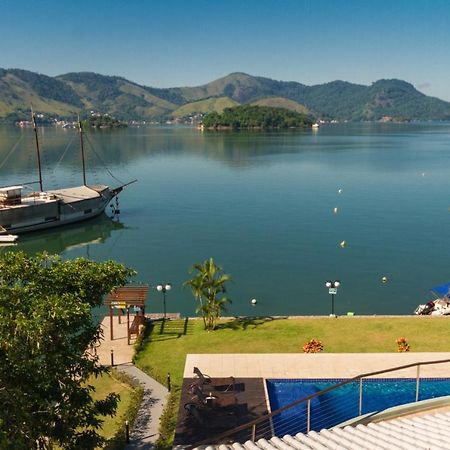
<point>164,350</point>
<point>114,427</point>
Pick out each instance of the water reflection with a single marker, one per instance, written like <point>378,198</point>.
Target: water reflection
<point>118,149</point>
<point>58,240</point>
<point>262,205</point>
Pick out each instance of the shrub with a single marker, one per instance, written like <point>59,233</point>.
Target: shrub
<point>402,345</point>
<point>313,346</point>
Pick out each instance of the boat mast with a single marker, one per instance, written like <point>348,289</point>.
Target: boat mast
<point>82,150</point>
<point>38,152</point>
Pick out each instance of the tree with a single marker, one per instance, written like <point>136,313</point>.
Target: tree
<point>47,330</point>
<point>207,286</point>
<point>253,116</point>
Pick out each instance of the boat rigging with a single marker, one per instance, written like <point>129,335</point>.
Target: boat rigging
<point>21,213</point>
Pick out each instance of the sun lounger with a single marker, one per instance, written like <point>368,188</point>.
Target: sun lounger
<point>213,399</point>
<point>223,384</point>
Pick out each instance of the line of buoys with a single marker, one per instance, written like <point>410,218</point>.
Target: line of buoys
<point>343,243</point>
<point>335,211</point>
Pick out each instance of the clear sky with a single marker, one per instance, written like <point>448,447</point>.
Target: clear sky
<point>166,43</point>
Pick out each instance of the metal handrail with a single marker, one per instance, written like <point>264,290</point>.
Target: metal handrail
<point>252,425</point>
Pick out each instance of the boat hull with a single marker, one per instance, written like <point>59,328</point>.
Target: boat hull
<point>438,307</point>
<point>56,208</point>
<point>7,238</point>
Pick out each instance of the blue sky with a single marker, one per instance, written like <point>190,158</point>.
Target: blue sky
<point>187,43</point>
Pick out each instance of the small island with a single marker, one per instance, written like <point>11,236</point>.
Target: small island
<point>97,120</point>
<point>255,117</point>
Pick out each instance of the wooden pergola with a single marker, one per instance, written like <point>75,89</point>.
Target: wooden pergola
<point>124,298</point>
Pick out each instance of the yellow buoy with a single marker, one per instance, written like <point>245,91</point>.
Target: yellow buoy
<point>335,210</point>
<point>342,244</point>
<point>384,279</point>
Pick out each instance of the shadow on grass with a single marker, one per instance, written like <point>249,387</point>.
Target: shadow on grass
<point>242,323</point>
<point>165,329</point>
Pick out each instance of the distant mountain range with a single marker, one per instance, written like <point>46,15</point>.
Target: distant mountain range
<point>68,94</point>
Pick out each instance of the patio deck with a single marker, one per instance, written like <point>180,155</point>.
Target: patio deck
<point>251,370</point>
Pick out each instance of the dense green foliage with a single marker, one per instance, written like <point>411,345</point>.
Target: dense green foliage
<point>73,93</point>
<point>16,116</point>
<point>172,95</point>
<point>49,87</point>
<point>250,116</point>
<point>93,82</point>
<point>103,121</point>
<point>208,285</point>
<point>47,338</point>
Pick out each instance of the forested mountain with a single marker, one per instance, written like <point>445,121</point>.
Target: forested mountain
<point>72,93</point>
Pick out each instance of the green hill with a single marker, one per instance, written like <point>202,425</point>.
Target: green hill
<point>19,89</point>
<point>72,93</point>
<point>204,106</point>
<point>280,102</point>
<point>117,96</point>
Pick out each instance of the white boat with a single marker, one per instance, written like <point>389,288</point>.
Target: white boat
<point>21,213</point>
<point>315,125</point>
<point>7,238</point>
<point>439,306</point>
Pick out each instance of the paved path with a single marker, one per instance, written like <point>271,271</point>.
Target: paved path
<point>316,365</point>
<point>145,431</point>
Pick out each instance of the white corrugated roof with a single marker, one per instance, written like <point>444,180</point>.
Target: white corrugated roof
<point>429,431</point>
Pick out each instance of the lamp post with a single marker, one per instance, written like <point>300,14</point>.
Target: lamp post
<point>332,289</point>
<point>164,288</point>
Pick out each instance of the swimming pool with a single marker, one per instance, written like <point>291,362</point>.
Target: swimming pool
<point>342,404</point>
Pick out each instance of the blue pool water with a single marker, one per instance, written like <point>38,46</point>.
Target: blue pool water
<point>342,404</point>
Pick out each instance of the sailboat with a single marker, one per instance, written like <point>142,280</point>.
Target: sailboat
<point>21,213</point>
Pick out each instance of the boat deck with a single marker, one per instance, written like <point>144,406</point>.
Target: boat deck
<point>68,195</point>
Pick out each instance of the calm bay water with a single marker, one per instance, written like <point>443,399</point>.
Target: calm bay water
<point>262,205</point>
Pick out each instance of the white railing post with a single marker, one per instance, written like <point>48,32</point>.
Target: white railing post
<point>360,396</point>
<point>254,432</point>
<point>308,423</point>
<point>417,382</point>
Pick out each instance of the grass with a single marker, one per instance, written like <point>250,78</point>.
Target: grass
<point>164,348</point>
<point>205,106</point>
<point>113,428</point>
<point>280,102</point>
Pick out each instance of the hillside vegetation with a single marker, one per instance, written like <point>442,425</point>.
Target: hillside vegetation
<point>205,106</point>
<point>81,92</point>
<point>280,102</point>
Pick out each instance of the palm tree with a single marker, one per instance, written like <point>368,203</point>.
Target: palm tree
<point>207,286</point>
